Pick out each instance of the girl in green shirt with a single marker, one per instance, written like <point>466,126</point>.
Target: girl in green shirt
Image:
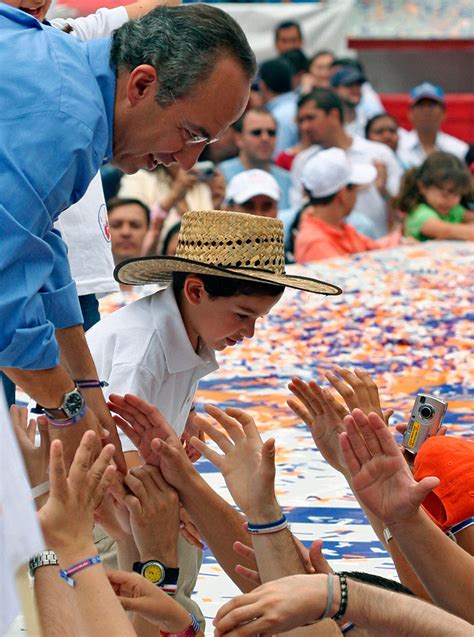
<point>433,196</point>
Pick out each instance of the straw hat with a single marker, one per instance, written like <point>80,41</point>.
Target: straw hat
<point>227,244</point>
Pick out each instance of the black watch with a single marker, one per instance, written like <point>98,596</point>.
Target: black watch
<point>73,404</point>
<point>157,573</point>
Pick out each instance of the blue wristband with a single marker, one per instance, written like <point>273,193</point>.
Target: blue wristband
<point>270,527</point>
<point>67,573</point>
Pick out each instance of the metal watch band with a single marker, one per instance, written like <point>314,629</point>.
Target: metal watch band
<point>387,535</point>
<point>45,558</point>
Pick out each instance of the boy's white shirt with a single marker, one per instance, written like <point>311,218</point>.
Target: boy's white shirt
<point>84,226</point>
<point>144,349</point>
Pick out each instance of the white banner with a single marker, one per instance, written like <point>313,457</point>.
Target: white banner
<point>324,24</point>
<point>20,534</point>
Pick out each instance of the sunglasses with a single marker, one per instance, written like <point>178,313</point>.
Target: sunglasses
<point>384,129</point>
<point>256,132</point>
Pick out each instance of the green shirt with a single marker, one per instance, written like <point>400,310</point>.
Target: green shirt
<point>417,217</point>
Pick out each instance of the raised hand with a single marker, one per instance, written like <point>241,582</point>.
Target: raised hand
<point>193,428</point>
<point>67,518</point>
<point>358,390</point>
<point>36,458</point>
<point>248,464</point>
<point>154,514</point>
<point>380,476</point>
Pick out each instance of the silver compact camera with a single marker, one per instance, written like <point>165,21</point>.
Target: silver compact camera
<point>425,420</point>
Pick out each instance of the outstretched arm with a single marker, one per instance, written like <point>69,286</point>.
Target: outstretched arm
<point>385,485</point>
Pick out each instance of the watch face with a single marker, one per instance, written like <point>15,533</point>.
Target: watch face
<point>154,572</point>
<point>73,402</point>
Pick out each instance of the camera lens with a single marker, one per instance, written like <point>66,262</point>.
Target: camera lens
<point>426,411</point>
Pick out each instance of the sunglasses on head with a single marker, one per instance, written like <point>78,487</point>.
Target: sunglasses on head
<point>256,132</point>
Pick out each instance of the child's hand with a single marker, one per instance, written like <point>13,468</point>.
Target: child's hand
<point>36,458</point>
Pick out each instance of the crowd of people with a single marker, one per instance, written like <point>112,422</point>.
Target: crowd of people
<point>217,175</point>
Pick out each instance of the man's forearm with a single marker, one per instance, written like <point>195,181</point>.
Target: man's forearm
<point>55,602</point>
<point>445,569</point>
<point>75,353</point>
<point>219,523</point>
<point>46,386</point>
<point>392,614</point>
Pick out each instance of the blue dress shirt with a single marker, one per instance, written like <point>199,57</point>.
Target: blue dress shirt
<point>56,118</point>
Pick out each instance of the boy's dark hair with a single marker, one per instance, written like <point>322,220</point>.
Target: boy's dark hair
<point>287,24</point>
<point>222,286</point>
<point>239,124</point>
<point>277,75</point>
<point>325,99</point>
<point>297,60</point>
<point>320,53</point>
<point>381,582</point>
<point>374,119</point>
<point>118,202</point>
<point>437,169</point>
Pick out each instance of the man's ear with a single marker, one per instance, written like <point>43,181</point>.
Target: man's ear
<point>142,81</point>
<point>194,290</point>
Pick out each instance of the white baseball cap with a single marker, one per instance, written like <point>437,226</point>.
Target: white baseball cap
<point>330,170</point>
<point>251,183</point>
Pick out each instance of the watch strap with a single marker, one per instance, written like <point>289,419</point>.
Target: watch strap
<point>171,573</point>
<point>45,558</point>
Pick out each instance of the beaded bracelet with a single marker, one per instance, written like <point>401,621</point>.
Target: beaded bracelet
<point>270,527</point>
<point>67,573</point>
<point>343,604</point>
<point>90,384</point>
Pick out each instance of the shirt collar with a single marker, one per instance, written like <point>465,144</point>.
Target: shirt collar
<point>179,353</point>
<point>104,72</point>
<point>17,15</point>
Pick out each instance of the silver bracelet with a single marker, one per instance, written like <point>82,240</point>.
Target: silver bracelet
<point>330,583</point>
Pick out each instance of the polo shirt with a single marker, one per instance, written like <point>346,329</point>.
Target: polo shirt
<point>316,240</point>
<point>56,118</point>
<point>144,349</point>
<point>412,154</point>
<point>419,215</point>
<point>232,167</point>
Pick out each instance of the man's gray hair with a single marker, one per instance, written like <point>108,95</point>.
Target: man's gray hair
<point>183,44</point>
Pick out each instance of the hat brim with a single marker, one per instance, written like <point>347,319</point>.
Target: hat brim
<point>362,174</point>
<point>159,269</point>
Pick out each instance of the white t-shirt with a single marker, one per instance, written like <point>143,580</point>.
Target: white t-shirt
<point>412,154</point>
<point>144,349</point>
<point>84,226</point>
<point>369,202</point>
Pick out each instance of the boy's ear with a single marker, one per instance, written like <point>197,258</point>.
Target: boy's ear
<point>193,289</point>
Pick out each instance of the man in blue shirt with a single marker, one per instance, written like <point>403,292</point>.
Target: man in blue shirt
<point>144,97</point>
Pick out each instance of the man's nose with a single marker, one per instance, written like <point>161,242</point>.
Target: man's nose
<point>189,155</point>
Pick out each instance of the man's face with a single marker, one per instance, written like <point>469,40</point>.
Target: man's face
<point>384,130</point>
<point>314,123</point>
<point>225,321</point>
<point>128,227</point>
<point>320,69</point>
<point>258,137</point>
<point>260,205</point>
<point>426,115</point>
<point>146,134</point>
<point>350,94</point>
<point>288,39</point>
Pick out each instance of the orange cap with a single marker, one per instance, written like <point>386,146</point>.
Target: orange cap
<point>452,461</point>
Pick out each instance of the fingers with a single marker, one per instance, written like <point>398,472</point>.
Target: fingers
<point>423,488</point>
<point>128,430</point>
<point>230,424</point>
<point>243,550</point>
<point>101,474</point>
<point>350,456</point>
<point>57,470</point>
<point>83,459</point>
<point>148,415</point>
<point>249,574</point>
<point>318,561</point>
<point>206,451</point>
<point>308,395</point>
<point>300,411</point>
<point>366,431</point>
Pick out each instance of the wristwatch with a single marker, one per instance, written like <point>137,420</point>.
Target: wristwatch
<point>45,558</point>
<point>157,573</point>
<point>72,406</point>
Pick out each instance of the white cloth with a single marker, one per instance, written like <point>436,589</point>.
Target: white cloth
<point>413,155</point>
<point>85,229</point>
<point>84,226</point>
<point>144,349</point>
<point>96,25</point>
<point>357,126</point>
<point>369,202</point>
<point>20,534</point>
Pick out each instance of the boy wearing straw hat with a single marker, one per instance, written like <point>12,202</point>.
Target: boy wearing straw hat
<point>228,271</point>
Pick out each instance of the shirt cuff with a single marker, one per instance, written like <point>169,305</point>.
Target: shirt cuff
<point>62,306</point>
<point>31,349</point>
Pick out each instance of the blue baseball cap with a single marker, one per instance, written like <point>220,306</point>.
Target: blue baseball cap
<point>347,76</point>
<point>427,91</point>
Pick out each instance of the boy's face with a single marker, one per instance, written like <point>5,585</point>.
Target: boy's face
<point>225,321</point>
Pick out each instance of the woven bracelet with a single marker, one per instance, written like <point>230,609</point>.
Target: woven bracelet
<point>90,384</point>
<point>343,604</point>
<point>270,527</point>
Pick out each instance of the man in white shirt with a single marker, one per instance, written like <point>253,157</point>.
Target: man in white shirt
<point>347,84</point>
<point>427,112</point>
<point>320,117</point>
